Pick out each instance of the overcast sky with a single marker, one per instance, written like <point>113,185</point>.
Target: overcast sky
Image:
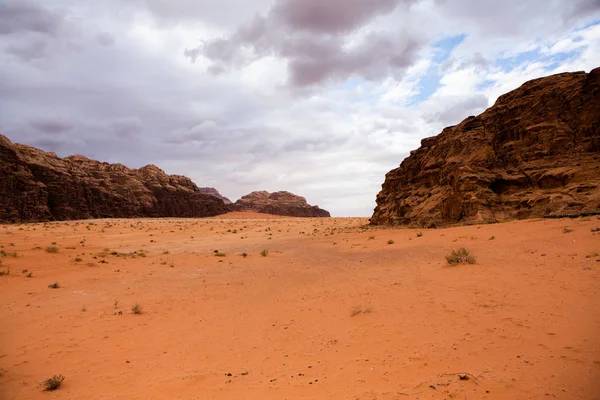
<point>317,97</point>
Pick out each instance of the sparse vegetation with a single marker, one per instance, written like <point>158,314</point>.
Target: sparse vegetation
<point>54,285</point>
<point>390,241</point>
<point>460,256</point>
<point>567,230</point>
<point>219,254</point>
<point>264,253</point>
<point>419,234</point>
<point>51,249</point>
<point>53,383</point>
<point>136,308</point>
<point>244,255</point>
<point>360,310</point>
<point>77,259</point>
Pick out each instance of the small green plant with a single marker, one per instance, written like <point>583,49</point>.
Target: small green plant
<point>136,309</point>
<point>460,256</point>
<point>390,241</point>
<point>53,383</point>
<point>264,253</point>
<point>51,249</point>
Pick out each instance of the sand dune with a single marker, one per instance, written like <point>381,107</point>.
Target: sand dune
<point>335,310</point>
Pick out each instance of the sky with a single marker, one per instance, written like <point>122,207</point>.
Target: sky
<point>318,97</point>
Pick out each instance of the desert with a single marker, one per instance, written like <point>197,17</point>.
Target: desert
<point>332,309</point>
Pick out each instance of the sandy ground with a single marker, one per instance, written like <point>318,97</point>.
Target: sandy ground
<point>333,311</point>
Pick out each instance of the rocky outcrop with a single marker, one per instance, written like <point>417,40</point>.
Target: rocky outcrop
<point>39,186</point>
<point>215,193</point>
<point>534,153</point>
<point>278,203</point>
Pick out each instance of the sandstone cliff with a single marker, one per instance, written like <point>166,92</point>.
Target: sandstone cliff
<point>38,186</point>
<point>534,153</point>
<point>278,203</point>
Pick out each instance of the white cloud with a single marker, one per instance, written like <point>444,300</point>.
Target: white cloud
<point>321,105</point>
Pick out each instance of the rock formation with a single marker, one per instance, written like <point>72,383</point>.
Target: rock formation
<point>215,193</point>
<point>38,186</point>
<point>534,153</point>
<point>278,203</point>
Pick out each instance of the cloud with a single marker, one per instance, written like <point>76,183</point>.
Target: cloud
<point>321,98</point>
<point>321,42</point>
<point>26,16</point>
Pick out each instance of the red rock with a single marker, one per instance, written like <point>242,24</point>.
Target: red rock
<point>38,186</point>
<point>535,153</point>
<point>278,203</point>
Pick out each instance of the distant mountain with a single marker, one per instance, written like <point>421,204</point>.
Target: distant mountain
<point>215,193</point>
<point>38,186</point>
<point>278,203</point>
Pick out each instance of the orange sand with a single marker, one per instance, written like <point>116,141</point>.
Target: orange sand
<point>522,323</point>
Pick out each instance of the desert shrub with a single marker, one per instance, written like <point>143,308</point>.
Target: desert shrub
<point>51,249</point>
<point>54,285</point>
<point>219,254</point>
<point>460,256</point>
<point>264,253</point>
<point>390,241</point>
<point>53,383</point>
<point>136,308</point>
<point>360,310</point>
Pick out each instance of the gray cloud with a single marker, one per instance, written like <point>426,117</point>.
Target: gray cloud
<point>107,80</point>
<point>329,17</point>
<point>315,37</point>
<point>26,16</point>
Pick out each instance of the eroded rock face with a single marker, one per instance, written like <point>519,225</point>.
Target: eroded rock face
<point>215,193</point>
<point>39,186</point>
<point>535,153</point>
<point>278,203</point>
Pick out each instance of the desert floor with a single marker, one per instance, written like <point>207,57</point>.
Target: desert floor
<point>335,310</point>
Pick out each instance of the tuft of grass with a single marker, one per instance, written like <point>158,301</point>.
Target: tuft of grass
<point>53,383</point>
<point>54,285</point>
<point>419,234</point>
<point>371,237</point>
<point>360,310</point>
<point>51,249</point>
<point>264,253</point>
<point>77,259</point>
<point>460,256</point>
<point>136,308</point>
<point>244,255</point>
<point>390,241</point>
<point>219,254</point>
<point>567,230</point>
